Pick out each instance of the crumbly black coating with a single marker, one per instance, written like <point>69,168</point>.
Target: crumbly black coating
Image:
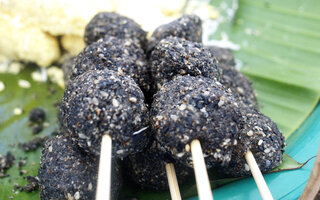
<point>6,162</point>
<point>67,69</point>
<point>189,108</point>
<point>37,129</point>
<point>120,55</point>
<point>66,172</point>
<point>113,24</point>
<point>175,56</point>
<point>105,102</point>
<point>261,136</point>
<point>188,27</point>
<point>37,115</point>
<point>147,168</point>
<point>232,78</point>
<point>34,143</point>
<point>32,185</point>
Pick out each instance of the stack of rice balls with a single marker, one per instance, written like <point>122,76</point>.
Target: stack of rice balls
<point>153,97</point>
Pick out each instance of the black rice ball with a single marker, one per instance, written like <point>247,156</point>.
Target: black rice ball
<point>234,79</point>
<point>113,24</point>
<point>66,172</point>
<point>147,168</point>
<point>261,136</point>
<point>188,27</point>
<point>175,56</point>
<point>120,55</point>
<point>104,102</point>
<point>189,108</point>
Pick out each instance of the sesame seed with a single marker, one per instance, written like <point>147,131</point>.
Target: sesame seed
<point>187,147</point>
<point>133,99</point>
<point>182,107</point>
<point>90,186</point>
<point>250,133</point>
<point>115,103</point>
<point>77,195</point>
<point>246,167</point>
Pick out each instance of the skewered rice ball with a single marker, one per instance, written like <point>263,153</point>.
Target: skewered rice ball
<point>113,24</point>
<point>188,27</point>
<point>104,102</point>
<point>189,108</point>
<point>120,55</point>
<point>262,137</point>
<point>232,78</point>
<point>67,173</point>
<point>175,56</point>
<point>147,168</point>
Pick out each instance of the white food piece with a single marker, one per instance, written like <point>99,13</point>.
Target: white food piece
<point>24,83</point>
<point>203,9</point>
<point>17,111</point>
<point>154,10</point>
<point>55,74</point>
<point>2,86</point>
<point>28,28</point>
<point>38,76</point>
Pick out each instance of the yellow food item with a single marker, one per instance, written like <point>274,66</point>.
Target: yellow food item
<point>21,41</point>
<point>57,17</point>
<point>28,28</point>
<point>73,44</point>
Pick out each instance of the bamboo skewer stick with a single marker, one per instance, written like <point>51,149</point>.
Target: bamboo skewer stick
<point>173,182</point>
<point>200,171</point>
<point>257,175</point>
<point>104,173</point>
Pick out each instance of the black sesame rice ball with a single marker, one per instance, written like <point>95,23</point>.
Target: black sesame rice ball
<point>175,56</point>
<point>147,168</point>
<point>68,173</point>
<point>262,137</point>
<point>232,78</point>
<point>188,27</point>
<point>189,108</point>
<point>113,24</point>
<point>104,102</point>
<point>120,55</point>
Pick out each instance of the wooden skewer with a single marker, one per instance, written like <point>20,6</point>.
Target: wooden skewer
<point>200,171</point>
<point>173,182</point>
<point>257,175</point>
<point>104,173</point>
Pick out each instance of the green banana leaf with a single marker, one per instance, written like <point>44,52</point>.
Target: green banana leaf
<point>279,51</point>
<point>15,129</point>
